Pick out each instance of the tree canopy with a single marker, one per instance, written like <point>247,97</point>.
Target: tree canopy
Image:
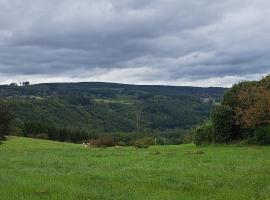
<point>244,113</point>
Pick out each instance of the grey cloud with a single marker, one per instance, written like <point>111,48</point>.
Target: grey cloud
<point>172,39</point>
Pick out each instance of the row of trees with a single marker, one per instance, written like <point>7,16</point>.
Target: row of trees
<point>44,131</point>
<point>98,139</point>
<point>26,83</point>
<point>244,114</point>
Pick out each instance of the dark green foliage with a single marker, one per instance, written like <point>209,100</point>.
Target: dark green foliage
<point>144,142</point>
<point>218,130</point>
<point>92,109</point>
<point>204,134</point>
<point>261,135</point>
<point>222,119</point>
<point>175,112</point>
<point>108,90</point>
<point>6,118</point>
<point>43,131</point>
<point>123,138</point>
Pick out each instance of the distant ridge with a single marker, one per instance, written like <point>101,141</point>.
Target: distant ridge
<point>87,88</point>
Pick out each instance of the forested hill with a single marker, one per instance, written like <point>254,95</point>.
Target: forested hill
<point>106,89</point>
<point>98,108</point>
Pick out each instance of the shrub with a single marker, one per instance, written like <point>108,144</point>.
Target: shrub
<point>261,135</point>
<point>187,138</point>
<point>203,134</point>
<point>103,141</point>
<point>121,143</point>
<point>94,143</point>
<point>222,119</point>
<point>144,142</point>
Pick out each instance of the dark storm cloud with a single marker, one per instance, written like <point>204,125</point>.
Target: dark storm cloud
<point>136,41</point>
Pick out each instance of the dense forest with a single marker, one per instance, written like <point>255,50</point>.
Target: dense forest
<point>244,115</point>
<point>79,111</point>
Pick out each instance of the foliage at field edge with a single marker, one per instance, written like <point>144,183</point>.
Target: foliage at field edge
<point>244,114</point>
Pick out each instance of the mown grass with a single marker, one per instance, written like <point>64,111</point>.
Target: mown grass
<point>34,169</point>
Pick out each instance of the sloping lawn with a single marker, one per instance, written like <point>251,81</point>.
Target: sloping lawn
<point>33,169</point>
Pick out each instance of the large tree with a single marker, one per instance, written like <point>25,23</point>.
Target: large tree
<point>243,114</point>
<point>254,109</point>
<point>250,102</point>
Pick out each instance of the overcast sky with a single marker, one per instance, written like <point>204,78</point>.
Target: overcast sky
<point>171,42</point>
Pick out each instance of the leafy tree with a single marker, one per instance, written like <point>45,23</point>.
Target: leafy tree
<point>254,107</point>
<point>243,114</point>
<point>13,84</point>
<point>222,119</point>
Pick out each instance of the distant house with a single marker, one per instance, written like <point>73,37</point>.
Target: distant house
<point>209,100</point>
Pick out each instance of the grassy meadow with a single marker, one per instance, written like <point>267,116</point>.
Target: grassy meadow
<point>33,169</point>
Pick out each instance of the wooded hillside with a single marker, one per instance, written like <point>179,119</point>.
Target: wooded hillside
<point>98,108</point>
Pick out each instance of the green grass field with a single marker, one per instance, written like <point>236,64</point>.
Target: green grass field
<point>34,169</point>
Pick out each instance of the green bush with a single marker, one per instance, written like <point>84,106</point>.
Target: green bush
<point>261,135</point>
<point>144,142</point>
<point>222,119</point>
<point>203,134</point>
